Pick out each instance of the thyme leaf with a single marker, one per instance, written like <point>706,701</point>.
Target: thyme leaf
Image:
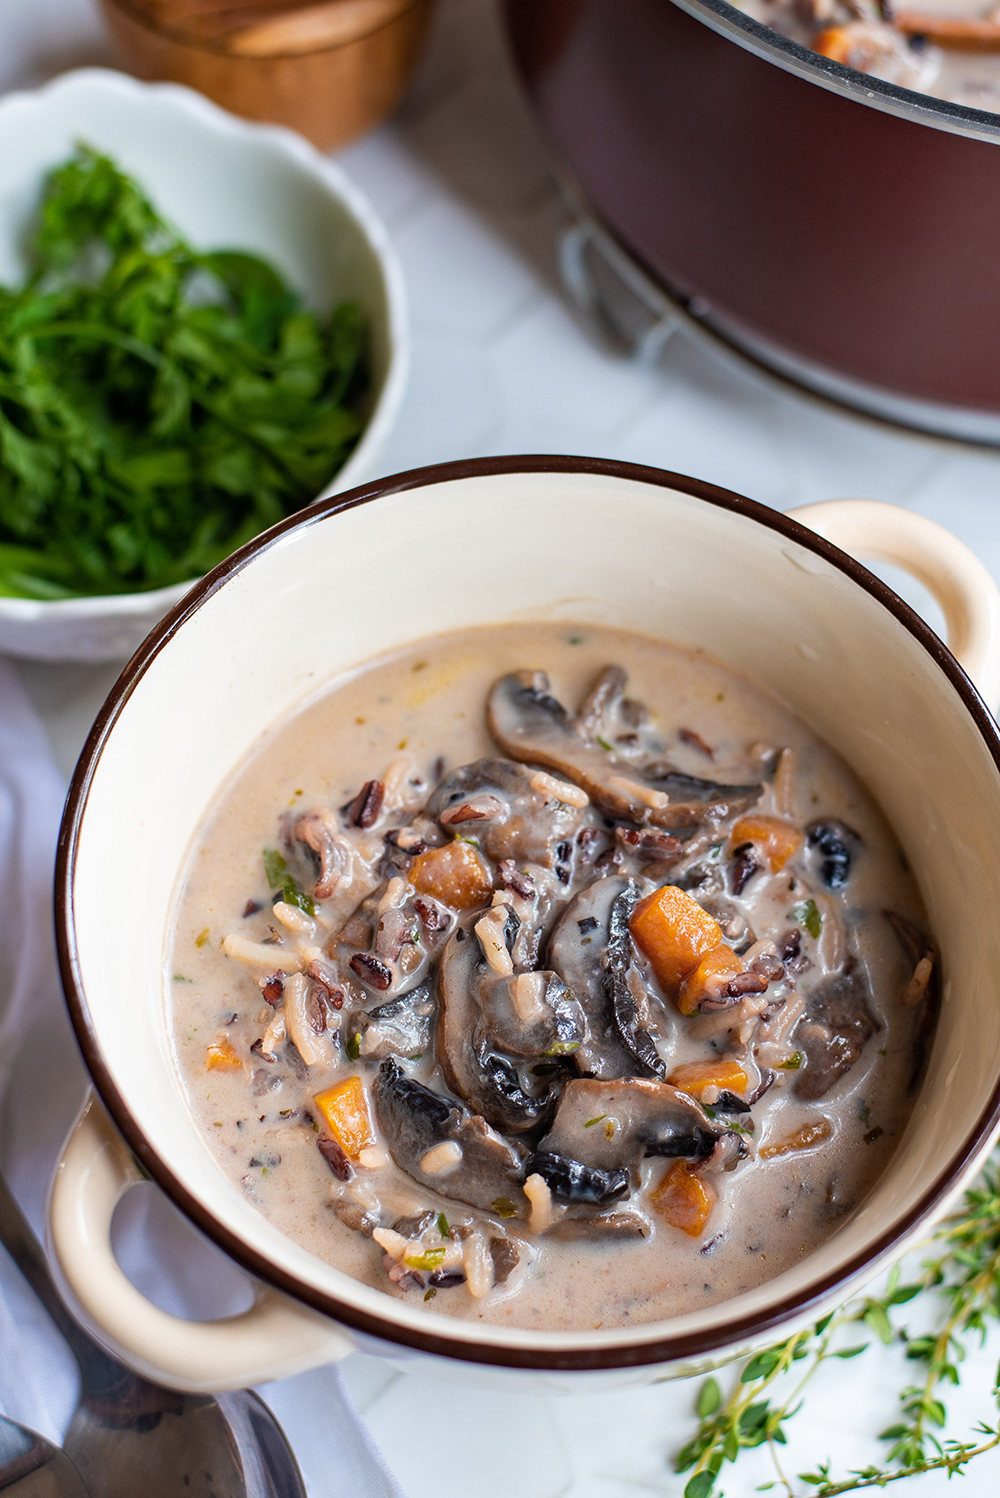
<point>960,1281</point>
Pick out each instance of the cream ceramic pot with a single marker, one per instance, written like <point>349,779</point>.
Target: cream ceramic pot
<point>479,543</point>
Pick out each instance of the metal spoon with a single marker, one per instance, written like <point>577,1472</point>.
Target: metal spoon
<point>31,1467</point>
<point>130,1437</point>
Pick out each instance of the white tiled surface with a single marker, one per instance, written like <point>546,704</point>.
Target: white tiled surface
<point>500,366</point>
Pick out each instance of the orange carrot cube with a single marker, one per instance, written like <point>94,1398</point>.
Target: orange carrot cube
<point>696,1077</point>
<point>220,1056</point>
<point>674,932</point>
<point>708,977</point>
<point>777,840</point>
<point>683,1199</point>
<point>455,874</point>
<point>835,42</point>
<point>345,1110</point>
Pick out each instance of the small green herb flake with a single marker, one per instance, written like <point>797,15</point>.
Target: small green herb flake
<point>353,1045</point>
<point>180,978</point>
<point>429,1259</point>
<point>292,895</point>
<point>202,937</point>
<point>873,1134</point>
<point>806,914</point>
<point>430,1293</point>
<point>592,1121</point>
<point>793,1063</point>
<point>563,1048</point>
<point>275,868</point>
<point>574,639</point>
<point>605,745</point>
<point>503,1206</point>
<point>442,1225</point>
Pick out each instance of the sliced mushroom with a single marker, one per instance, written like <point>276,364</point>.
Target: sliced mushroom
<point>533,1015</point>
<point>401,1027</point>
<point>597,1226</point>
<point>575,1182</point>
<point>612,1125</point>
<point>414,1120</point>
<point>320,830</point>
<point>530,725</point>
<point>602,700</point>
<point>469,1045</point>
<point>918,947</point>
<point>511,818</point>
<point>837,1024</point>
<point>591,950</point>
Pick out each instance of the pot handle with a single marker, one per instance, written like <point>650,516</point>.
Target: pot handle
<point>956,577</point>
<point>272,1339</point>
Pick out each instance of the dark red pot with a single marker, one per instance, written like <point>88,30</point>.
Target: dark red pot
<point>842,230</point>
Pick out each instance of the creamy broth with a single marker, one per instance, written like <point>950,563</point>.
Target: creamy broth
<point>949,49</point>
<point>675,1194</point>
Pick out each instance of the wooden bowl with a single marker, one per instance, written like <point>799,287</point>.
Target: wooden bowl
<point>329,70</point>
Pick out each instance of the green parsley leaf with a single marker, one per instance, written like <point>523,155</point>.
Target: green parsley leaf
<point>429,1259</point>
<point>806,914</point>
<point>160,405</point>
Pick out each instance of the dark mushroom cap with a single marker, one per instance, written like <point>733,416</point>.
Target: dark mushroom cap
<point>591,949</point>
<point>401,1027</point>
<point>469,1045</point>
<point>840,1005</point>
<point>575,1182</point>
<point>611,1125</point>
<point>413,1119</point>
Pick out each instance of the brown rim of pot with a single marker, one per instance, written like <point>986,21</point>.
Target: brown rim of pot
<point>659,1349</point>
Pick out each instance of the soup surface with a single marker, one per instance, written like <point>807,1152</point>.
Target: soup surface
<point>949,49</point>
<point>555,993</point>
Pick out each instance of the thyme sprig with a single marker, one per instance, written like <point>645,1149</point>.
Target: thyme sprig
<point>962,1282</point>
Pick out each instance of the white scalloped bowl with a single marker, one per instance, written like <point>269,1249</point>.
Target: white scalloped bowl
<point>223,183</point>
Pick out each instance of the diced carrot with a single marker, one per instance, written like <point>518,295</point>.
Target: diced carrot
<point>345,1110</point>
<point>683,1199</point>
<point>674,932</point>
<point>695,1077</point>
<point>455,874</point>
<point>220,1056</point>
<point>835,42</point>
<point>709,976</point>
<point>804,1138</point>
<point>777,840</point>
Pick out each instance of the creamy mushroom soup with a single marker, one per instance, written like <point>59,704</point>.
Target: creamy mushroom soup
<point>949,49</point>
<point>555,976</point>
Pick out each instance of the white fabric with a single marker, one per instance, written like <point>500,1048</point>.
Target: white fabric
<point>42,1084</point>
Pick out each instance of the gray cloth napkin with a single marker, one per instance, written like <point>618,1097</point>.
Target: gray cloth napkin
<point>42,1085</point>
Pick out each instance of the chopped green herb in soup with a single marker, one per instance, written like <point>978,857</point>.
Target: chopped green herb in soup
<point>580,994</point>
